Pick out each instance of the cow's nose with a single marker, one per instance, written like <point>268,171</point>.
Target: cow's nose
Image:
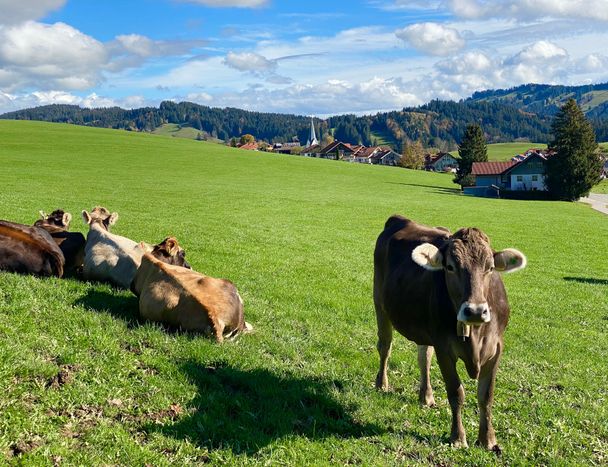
<point>474,313</point>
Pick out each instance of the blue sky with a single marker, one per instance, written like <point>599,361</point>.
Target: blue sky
<point>306,57</point>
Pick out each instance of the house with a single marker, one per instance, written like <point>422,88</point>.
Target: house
<point>249,146</point>
<point>385,156</point>
<point>336,151</point>
<point>440,162</point>
<point>285,148</point>
<point>516,175</point>
<point>311,151</point>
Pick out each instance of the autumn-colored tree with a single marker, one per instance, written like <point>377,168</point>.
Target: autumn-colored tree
<point>246,139</point>
<point>413,156</point>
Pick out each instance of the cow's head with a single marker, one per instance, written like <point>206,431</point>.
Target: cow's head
<point>468,263</point>
<point>101,216</point>
<point>58,218</point>
<point>169,251</point>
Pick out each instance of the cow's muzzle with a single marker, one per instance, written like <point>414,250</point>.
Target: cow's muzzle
<point>474,313</point>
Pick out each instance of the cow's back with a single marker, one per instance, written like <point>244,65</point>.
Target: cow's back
<point>187,299</point>
<point>410,295</point>
<point>110,257</point>
<point>26,249</point>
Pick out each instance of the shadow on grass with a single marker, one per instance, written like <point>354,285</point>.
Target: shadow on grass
<point>120,306</point>
<point>587,280</point>
<point>245,410</point>
<point>438,189</point>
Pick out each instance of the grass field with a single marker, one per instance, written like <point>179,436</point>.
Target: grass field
<point>177,131</point>
<point>84,381</point>
<point>505,151</point>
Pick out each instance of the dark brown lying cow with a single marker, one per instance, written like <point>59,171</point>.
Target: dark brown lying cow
<point>29,250</point>
<point>445,292</point>
<point>70,243</point>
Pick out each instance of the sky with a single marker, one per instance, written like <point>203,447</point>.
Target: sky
<point>306,57</point>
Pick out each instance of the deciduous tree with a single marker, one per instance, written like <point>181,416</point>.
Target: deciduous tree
<point>413,156</point>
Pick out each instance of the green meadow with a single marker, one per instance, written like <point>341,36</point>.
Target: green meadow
<point>84,381</point>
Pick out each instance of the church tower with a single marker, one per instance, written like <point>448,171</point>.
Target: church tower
<point>312,140</point>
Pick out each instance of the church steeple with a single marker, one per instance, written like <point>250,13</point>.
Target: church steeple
<point>312,140</point>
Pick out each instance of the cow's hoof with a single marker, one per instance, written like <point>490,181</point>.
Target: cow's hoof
<point>489,445</point>
<point>427,401</point>
<point>459,443</point>
<point>382,384</point>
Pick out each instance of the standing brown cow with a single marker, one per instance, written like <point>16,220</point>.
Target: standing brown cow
<point>70,243</point>
<point>445,292</point>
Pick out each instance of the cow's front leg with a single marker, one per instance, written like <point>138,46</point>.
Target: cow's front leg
<point>447,364</point>
<point>385,339</point>
<point>425,392</point>
<point>485,398</point>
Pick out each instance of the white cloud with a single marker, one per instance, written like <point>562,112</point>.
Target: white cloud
<point>540,52</point>
<point>249,61</point>
<point>50,56</point>
<point>432,38</point>
<point>14,12</point>
<point>529,10</point>
<point>230,3</point>
<point>328,98</point>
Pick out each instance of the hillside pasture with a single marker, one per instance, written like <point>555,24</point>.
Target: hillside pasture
<point>85,381</point>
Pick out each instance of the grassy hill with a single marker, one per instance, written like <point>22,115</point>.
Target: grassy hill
<point>505,151</point>
<point>85,381</point>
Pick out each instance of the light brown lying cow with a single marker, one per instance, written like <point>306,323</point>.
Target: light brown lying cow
<point>188,299</point>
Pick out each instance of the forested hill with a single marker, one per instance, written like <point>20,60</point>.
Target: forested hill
<point>522,113</point>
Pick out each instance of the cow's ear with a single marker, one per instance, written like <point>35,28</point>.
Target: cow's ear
<point>171,246</point>
<point>428,256</point>
<point>113,218</point>
<point>86,217</point>
<point>509,260</point>
<point>42,215</point>
<point>67,218</point>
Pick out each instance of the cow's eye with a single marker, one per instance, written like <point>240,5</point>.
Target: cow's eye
<point>449,267</point>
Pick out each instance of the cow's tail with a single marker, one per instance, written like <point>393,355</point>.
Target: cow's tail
<point>56,261</point>
<point>243,326</point>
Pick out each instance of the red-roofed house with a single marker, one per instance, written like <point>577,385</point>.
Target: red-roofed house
<point>524,175</point>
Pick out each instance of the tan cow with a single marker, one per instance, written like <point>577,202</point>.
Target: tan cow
<point>188,299</point>
<point>113,258</point>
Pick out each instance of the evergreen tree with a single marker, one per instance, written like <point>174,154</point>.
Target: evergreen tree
<point>576,166</point>
<point>472,149</point>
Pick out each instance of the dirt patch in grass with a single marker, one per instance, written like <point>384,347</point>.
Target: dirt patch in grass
<point>23,446</point>
<point>64,376</point>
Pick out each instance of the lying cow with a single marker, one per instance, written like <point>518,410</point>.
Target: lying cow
<point>29,250</point>
<point>113,258</point>
<point>445,292</point>
<point>189,300</point>
<point>70,243</point>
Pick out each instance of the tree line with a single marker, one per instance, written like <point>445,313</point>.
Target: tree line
<point>438,124</point>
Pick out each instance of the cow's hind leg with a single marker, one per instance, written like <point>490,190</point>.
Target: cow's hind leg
<point>485,397</point>
<point>425,393</point>
<point>447,364</point>
<point>385,339</point>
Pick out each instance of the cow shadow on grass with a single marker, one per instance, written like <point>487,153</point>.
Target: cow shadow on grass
<point>587,280</point>
<point>245,410</point>
<point>120,306</point>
